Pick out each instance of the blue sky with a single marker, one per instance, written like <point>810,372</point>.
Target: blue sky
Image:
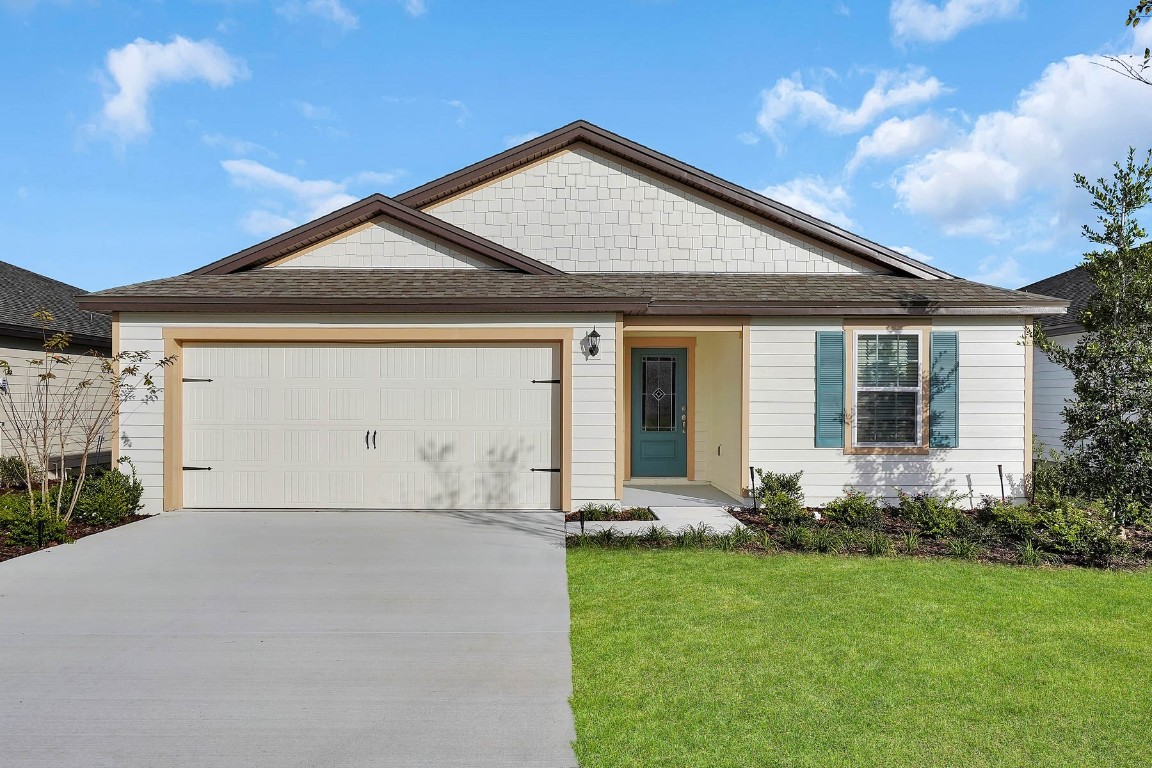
<point>144,139</point>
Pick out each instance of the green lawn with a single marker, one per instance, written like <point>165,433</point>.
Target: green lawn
<point>690,658</point>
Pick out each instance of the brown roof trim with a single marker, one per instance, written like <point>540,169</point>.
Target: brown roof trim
<point>682,173</point>
<point>372,207</point>
<point>630,305</point>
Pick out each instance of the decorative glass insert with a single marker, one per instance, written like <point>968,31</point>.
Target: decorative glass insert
<point>888,389</point>
<point>658,396</point>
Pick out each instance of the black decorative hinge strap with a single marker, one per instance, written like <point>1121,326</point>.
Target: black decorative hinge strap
<point>196,469</point>
<point>549,469</point>
<point>204,380</point>
<point>545,381</point>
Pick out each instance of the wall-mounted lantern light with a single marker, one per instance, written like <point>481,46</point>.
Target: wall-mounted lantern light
<point>593,343</point>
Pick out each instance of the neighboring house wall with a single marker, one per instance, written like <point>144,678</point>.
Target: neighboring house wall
<point>992,382</point>
<point>583,212</point>
<point>381,245</point>
<point>17,352</point>
<point>1052,388</point>
<point>593,387</point>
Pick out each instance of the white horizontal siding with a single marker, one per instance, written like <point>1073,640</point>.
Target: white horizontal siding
<point>1051,389</point>
<point>593,386</point>
<point>582,211</point>
<point>992,429</point>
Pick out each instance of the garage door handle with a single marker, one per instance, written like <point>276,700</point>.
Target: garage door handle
<point>373,439</point>
<point>549,469</point>
<point>366,433</point>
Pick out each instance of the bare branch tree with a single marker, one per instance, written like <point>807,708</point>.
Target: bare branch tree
<point>67,407</point>
<point>1132,66</point>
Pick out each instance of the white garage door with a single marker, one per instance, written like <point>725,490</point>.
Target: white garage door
<point>371,427</point>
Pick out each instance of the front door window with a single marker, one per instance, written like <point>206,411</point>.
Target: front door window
<point>658,399</point>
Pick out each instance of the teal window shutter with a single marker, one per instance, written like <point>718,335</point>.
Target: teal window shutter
<point>944,390</point>
<point>829,389</point>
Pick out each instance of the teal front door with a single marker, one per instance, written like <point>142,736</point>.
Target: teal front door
<point>660,412</point>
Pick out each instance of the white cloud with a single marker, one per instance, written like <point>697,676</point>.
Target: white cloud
<point>329,10</point>
<point>899,137</point>
<point>291,200</point>
<point>924,21</point>
<point>234,145</point>
<point>462,111</point>
<point>747,137</point>
<point>142,66</point>
<point>310,111</point>
<point>841,9</point>
<point>1018,163</point>
<point>415,7</point>
<point>911,252</point>
<point>789,99</point>
<point>519,138</point>
<point>814,196</point>
<point>1002,271</point>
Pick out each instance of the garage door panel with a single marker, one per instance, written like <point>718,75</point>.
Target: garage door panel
<point>455,426</point>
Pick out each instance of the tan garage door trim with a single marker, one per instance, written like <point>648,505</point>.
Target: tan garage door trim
<point>176,337</point>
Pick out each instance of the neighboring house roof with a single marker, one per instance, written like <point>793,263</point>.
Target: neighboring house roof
<point>582,132</point>
<point>1077,287</point>
<point>324,290</point>
<point>23,293</point>
<point>370,208</point>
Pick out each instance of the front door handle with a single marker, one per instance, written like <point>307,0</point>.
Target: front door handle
<point>684,419</point>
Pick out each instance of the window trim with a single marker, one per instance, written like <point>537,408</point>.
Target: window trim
<point>852,334</point>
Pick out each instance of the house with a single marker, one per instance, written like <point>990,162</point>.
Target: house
<point>1052,384</point>
<point>22,295</point>
<point>551,325</point>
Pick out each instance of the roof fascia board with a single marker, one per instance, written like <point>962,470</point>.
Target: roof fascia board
<point>662,165</point>
<point>360,212</point>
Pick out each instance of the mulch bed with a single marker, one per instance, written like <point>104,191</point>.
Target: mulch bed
<point>75,531</point>
<point>991,550</point>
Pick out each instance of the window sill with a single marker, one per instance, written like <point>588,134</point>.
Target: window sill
<point>904,450</point>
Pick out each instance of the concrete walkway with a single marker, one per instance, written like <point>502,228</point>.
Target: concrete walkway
<point>291,639</point>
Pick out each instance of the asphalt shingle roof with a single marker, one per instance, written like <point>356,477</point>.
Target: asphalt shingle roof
<point>1076,286</point>
<point>440,290</point>
<point>23,293</point>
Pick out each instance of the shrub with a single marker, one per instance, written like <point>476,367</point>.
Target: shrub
<point>825,540</point>
<point>29,529</point>
<point>781,498</point>
<point>1077,528</point>
<point>1029,554</point>
<point>911,542</point>
<point>772,484</point>
<point>1016,521</point>
<point>933,515</point>
<point>596,512</point>
<point>12,472</point>
<point>108,497</point>
<point>854,510</point>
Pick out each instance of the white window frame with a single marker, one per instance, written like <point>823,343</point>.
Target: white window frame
<point>857,389</point>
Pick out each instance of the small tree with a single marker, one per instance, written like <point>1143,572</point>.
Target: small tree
<point>67,408</point>
<point>1108,439</point>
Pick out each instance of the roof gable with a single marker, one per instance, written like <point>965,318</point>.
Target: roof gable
<point>380,244</point>
<point>582,210</point>
<point>596,138</point>
<point>378,209</point>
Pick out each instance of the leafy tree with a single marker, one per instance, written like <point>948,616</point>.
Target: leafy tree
<point>65,406</point>
<point>1108,438</point>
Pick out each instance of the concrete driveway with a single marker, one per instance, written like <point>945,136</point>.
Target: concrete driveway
<point>244,639</point>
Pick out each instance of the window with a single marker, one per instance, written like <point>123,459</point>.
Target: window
<point>658,397</point>
<point>888,389</point>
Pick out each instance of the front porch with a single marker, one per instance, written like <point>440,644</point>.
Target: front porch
<point>683,411</point>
